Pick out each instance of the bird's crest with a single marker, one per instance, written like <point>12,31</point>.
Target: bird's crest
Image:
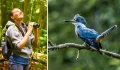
<point>78,18</point>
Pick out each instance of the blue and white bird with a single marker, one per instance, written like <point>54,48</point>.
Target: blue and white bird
<point>91,37</point>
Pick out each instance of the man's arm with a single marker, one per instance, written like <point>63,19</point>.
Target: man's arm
<point>35,42</point>
<point>26,37</point>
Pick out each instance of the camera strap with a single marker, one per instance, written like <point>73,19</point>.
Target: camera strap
<point>20,29</point>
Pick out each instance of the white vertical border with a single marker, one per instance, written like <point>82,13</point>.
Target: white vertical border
<point>47,35</point>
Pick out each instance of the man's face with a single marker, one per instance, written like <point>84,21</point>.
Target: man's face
<point>17,14</point>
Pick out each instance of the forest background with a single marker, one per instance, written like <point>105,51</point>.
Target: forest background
<point>34,11</point>
<point>100,15</point>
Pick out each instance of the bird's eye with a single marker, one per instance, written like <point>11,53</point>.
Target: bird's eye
<point>77,20</point>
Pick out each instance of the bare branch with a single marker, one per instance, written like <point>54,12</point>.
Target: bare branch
<point>80,47</point>
<point>50,43</point>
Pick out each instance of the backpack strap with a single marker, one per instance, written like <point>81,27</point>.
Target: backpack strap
<point>20,29</point>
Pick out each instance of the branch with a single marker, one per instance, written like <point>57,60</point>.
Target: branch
<point>50,43</point>
<point>80,47</point>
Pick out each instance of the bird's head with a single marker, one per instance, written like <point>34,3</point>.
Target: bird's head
<point>77,19</point>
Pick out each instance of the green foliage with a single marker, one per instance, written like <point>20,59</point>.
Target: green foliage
<point>34,11</point>
<point>42,42</point>
<point>100,15</point>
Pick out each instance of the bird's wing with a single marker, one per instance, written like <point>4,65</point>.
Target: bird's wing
<point>87,33</point>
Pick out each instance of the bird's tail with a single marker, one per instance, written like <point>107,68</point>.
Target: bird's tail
<point>106,32</point>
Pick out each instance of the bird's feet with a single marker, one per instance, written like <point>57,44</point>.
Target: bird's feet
<point>85,44</point>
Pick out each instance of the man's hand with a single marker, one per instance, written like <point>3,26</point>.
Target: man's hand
<point>30,26</point>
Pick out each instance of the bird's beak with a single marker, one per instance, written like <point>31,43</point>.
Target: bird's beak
<point>69,21</point>
<point>73,21</point>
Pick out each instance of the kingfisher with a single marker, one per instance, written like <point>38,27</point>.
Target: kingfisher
<point>91,37</point>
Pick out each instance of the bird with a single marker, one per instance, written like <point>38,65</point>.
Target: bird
<point>91,37</point>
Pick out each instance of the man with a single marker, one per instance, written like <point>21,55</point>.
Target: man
<point>21,39</point>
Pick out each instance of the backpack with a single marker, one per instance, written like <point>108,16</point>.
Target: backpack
<point>7,46</point>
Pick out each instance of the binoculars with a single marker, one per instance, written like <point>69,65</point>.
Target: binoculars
<point>36,25</point>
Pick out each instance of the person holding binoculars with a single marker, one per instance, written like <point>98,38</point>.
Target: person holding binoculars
<point>21,38</point>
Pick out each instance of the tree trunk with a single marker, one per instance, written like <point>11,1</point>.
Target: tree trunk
<point>27,10</point>
<point>42,16</point>
<point>4,14</point>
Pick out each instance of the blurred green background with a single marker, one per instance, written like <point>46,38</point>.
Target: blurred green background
<point>100,15</point>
